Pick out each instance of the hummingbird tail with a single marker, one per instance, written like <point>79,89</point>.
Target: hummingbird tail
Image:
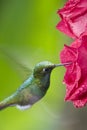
<point>3,106</point>
<point>10,101</point>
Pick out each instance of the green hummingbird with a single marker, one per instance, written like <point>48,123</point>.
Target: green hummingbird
<point>33,89</point>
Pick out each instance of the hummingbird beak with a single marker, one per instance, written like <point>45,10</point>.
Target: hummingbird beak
<point>64,64</point>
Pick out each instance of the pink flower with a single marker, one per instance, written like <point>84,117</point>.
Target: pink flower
<point>76,73</point>
<point>73,18</point>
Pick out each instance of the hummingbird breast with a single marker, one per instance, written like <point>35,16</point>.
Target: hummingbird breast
<point>32,90</point>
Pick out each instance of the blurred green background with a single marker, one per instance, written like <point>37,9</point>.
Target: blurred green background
<point>27,31</point>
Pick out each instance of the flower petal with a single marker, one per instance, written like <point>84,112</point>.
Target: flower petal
<point>76,73</point>
<point>73,18</point>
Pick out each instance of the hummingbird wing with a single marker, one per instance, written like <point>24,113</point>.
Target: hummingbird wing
<point>16,63</point>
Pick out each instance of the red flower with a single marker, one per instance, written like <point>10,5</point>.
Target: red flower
<point>74,18</point>
<point>76,73</point>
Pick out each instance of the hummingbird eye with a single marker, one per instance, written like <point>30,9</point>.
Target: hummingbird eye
<point>45,69</point>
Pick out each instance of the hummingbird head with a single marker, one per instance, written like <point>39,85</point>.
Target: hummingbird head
<point>43,68</point>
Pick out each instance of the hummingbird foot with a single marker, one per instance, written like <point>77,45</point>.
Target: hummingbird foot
<point>23,107</point>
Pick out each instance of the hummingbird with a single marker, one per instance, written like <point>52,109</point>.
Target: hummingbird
<point>32,89</point>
